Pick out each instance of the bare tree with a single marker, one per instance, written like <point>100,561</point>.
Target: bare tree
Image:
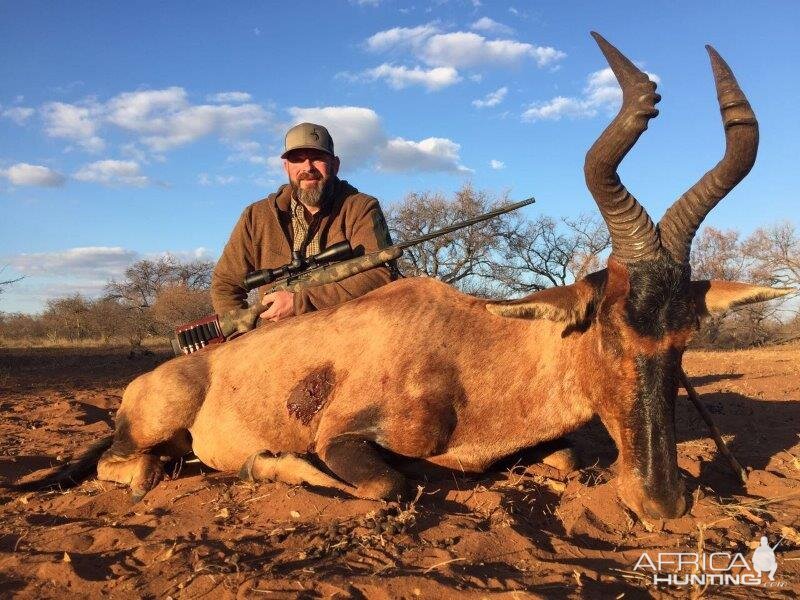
<point>775,252</point>
<point>717,254</point>
<point>143,280</point>
<point>22,327</point>
<point>146,280</point>
<point>179,303</point>
<point>68,318</point>
<point>775,255</point>
<point>770,256</point>
<point>544,253</point>
<point>505,256</point>
<point>194,275</point>
<point>464,258</point>
<point>590,239</point>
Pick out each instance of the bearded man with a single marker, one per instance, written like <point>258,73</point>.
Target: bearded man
<point>313,211</point>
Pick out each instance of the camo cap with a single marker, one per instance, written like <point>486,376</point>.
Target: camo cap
<point>308,136</point>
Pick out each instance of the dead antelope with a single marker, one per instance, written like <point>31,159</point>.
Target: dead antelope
<point>425,372</point>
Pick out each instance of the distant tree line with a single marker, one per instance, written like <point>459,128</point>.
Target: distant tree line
<point>152,298</point>
<point>511,255</point>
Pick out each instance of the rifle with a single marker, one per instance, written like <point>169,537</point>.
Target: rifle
<point>330,265</point>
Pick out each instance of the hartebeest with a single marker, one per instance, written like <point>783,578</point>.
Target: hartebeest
<point>423,371</point>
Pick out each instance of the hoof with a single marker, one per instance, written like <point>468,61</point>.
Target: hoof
<point>565,459</point>
<point>246,472</point>
<point>390,487</point>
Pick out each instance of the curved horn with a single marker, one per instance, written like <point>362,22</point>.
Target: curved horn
<point>680,222</point>
<point>633,235</point>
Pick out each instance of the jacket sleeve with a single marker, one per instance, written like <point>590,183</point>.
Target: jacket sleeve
<point>227,291</point>
<point>369,231</point>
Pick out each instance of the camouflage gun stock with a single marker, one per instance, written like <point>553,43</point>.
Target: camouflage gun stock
<point>242,320</point>
<point>217,329</point>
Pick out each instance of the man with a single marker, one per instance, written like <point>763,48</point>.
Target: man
<point>314,211</point>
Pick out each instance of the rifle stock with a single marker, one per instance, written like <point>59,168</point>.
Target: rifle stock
<point>242,320</point>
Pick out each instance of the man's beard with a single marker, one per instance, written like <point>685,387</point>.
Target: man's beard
<point>312,197</point>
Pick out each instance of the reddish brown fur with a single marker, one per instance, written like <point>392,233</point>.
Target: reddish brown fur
<point>426,372</point>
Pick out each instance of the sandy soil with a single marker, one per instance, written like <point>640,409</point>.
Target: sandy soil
<point>522,531</point>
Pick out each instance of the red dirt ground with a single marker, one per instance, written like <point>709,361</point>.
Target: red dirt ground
<point>514,533</point>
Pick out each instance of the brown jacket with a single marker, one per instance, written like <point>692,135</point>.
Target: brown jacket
<point>262,239</point>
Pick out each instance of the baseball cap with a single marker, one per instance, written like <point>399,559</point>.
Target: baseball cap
<point>308,135</point>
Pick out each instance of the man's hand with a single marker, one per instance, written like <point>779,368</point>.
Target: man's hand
<point>281,305</point>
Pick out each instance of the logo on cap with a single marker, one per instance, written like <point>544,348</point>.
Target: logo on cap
<point>315,134</point>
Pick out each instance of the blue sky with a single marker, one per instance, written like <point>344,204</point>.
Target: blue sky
<point>132,129</point>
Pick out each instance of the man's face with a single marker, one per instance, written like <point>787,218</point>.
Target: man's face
<point>310,172</point>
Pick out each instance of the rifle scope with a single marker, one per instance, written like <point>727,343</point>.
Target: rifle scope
<point>340,251</point>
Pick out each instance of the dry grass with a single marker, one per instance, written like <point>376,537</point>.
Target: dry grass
<point>762,352</point>
<point>153,342</point>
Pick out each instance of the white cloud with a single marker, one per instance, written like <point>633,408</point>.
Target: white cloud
<point>113,173</point>
<point>459,49</point>
<point>96,261</point>
<point>465,49</point>
<point>205,179</point>
<point>497,164</point>
<point>145,110</point>
<point>248,146</point>
<point>430,154</point>
<point>492,99</point>
<point>18,114</point>
<point>248,151</point>
<point>79,123</point>
<point>275,165</point>
<point>400,77</point>
<point>161,119</point>
<point>366,2</point>
<point>229,97</point>
<point>166,120</point>
<point>558,107</point>
<point>196,122</point>
<point>401,37</point>
<point>601,93</point>
<point>446,53</point>
<point>35,175</point>
<point>491,26</point>
<point>356,131</point>
<point>132,151</point>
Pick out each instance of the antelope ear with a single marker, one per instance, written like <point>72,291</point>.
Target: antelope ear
<point>569,304</point>
<point>718,296</point>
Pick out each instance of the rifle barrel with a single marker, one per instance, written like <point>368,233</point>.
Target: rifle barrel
<point>466,223</point>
